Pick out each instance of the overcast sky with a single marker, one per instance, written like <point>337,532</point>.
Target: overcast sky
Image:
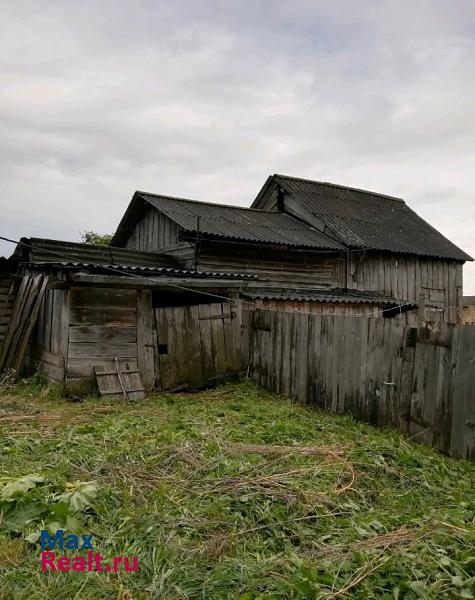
<point>205,99</point>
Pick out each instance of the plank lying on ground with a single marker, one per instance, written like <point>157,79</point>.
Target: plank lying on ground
<point>120,383</point>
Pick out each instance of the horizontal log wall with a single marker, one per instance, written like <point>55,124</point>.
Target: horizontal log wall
<point>418,380</point>
<point>277,265</point>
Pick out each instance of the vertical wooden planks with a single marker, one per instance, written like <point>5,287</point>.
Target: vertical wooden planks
<point>145,342</point>
<point>217,339</point>
<point>193,348</point>
<point>463,386</point>
<point>164,366</point>
<point>286,357</point>
<point>301,356</point>
<point>368,366</point>
<point>204,313</point>
<point>237,359</point>
<point>326,361</point>
<point>203,344</point>
<point>229,349</point>
<point>22,321</point>
<point>277,350</point>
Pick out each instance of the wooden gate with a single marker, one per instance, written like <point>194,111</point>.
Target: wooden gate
<point>197,345</point>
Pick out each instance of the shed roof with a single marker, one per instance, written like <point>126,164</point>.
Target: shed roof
<point>45,250</point>
<point>364,219</point>
<point>71,255</point>
<point>331,296</point>
<point>228,222</point>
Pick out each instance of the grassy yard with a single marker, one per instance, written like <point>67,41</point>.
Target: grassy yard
<point>230,493</point>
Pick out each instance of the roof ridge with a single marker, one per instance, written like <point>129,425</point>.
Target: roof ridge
<point>205,202</point>
<point>339,185</point>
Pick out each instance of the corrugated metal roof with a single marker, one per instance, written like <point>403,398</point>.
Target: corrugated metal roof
<point>128,269</point>
<point>234,222</point>
<point>45,250</point>
<point>56,253</point>
<point>363,219</point>
<point>332,296</point>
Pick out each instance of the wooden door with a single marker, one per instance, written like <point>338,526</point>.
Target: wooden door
<point>196,345</point>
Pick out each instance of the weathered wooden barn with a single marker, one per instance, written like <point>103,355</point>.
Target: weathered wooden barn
<point>76,309</point>
<point>302,238</point>
<point>171,299</point>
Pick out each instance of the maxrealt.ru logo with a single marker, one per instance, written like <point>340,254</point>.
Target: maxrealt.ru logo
<point>93,561</point>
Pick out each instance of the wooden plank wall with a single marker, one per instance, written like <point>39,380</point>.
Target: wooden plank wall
<point>26,307</point>
<point>407,277</point>
<point>280,267</point>
<point>320,308</point>
<point>418,380</point>
<point>463,392</point>
<point>7,296</point>
<point>49,342</point>
<point>102,326</point>
<point>153,232</point>
<point>197,345</point>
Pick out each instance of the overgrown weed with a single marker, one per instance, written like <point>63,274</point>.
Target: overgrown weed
<point>235,493</point>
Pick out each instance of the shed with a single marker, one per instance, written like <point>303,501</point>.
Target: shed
<point>77,308</point>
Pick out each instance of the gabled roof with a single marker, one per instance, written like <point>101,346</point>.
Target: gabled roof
<point>363,219</point>
<point>223,221</point>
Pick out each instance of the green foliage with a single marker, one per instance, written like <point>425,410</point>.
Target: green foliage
<point>230,494</point>
<point>30,502</point>
<point>101,239</point>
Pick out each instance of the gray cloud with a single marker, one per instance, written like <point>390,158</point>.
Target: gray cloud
<point>205,99</point>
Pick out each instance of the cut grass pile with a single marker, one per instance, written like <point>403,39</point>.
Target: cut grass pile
<point>230,493</point>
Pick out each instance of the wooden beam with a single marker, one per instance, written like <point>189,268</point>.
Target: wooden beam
<point>162,282</point>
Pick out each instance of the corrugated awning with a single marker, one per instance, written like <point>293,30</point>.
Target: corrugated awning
<point>331,297</point>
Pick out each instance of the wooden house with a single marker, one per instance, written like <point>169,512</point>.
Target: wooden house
<point>171,299</point>
<point>76,310</point>
<point>312,246</point>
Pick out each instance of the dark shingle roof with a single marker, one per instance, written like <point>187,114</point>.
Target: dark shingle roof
<point>362,219</point>
<point>232,222</point>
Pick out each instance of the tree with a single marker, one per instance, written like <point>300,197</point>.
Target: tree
<point>91,237</point>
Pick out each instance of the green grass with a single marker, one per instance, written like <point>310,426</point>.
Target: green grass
<point>194,485</point>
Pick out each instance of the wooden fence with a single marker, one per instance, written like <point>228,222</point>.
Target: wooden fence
<point>420,380</point>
